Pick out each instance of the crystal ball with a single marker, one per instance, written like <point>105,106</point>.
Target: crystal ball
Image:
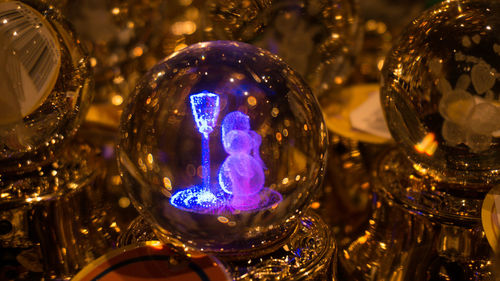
<point>45,82</point>
<point>127,38</point>
<point>318,38</point>
<point>222,147</point>
<point>440,91</point>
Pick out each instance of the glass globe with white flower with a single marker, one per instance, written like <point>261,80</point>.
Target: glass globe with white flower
<point>440,92</point>
<point>440,98</point>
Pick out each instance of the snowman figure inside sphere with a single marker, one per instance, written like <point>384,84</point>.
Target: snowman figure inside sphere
<point>242,173</point>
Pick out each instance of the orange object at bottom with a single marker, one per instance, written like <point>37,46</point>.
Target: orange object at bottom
<point>151,261</point>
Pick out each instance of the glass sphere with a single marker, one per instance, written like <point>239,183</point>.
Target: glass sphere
<point>222,146</point>
<point>319,39</point>
<point>440,92</point>
<point>44,77</point>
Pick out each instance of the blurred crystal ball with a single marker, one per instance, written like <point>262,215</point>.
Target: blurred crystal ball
<point>45,82</point>
<point>317,38</point>
<point>127,38</point>
<point>222,146</point>
<point>441,92</point>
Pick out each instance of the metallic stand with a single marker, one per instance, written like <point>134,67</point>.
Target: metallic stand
<point>421,229</point>
<point>44,209</point>
<point>59,216</point>
<point>309,253</point>
<point>345,203</point>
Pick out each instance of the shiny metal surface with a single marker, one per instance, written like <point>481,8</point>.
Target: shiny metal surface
<point>308,254</point>
<point>82,221</point>
<point>418,231</point>
<point>318,39</point>
<point>14,232</point>
<point>127,38</point>
<point>345,203</point>
<point>57,222</point>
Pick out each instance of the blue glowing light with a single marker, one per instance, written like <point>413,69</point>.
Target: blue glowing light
<point>205,107</point>
<point>241,176</point>
<point>198,199</point>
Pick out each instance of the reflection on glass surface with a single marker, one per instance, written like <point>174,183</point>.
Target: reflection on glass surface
<point>440,90</point>
<point>45,81</point>
<point>222,146</point>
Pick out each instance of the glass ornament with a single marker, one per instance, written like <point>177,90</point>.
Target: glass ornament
<point>45,82</point>
<point>395,14</point>
<point>222,147</point>
<point>438,95</point>
<point>127,38</point>
<point>440,91</point>
<point>319,39</point>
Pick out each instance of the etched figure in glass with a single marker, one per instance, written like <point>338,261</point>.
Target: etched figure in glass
<point>240,181</point>
<point>205,107</point>
<point>242,173</point>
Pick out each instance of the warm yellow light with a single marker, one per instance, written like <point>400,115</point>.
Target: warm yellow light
<point>275,111</point>
<point>117,99</point>
<point>315,205</point>
<point>285,181</point>
<point>156,245</point>
<point>180,47</point>
<point>428,145</point>
<point>183,27</point>
<point>137,51</point>
<point>93,62</point>
<point>252,101</point>
<point>124,202</point>
<point>222,219</point>
<point>167,183</point>
<point>278,136</point>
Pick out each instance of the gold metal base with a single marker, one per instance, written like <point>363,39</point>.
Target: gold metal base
<point>309,253</point>
<point>345,202</point>
<point>420,230</point>
<point>65,215</point>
